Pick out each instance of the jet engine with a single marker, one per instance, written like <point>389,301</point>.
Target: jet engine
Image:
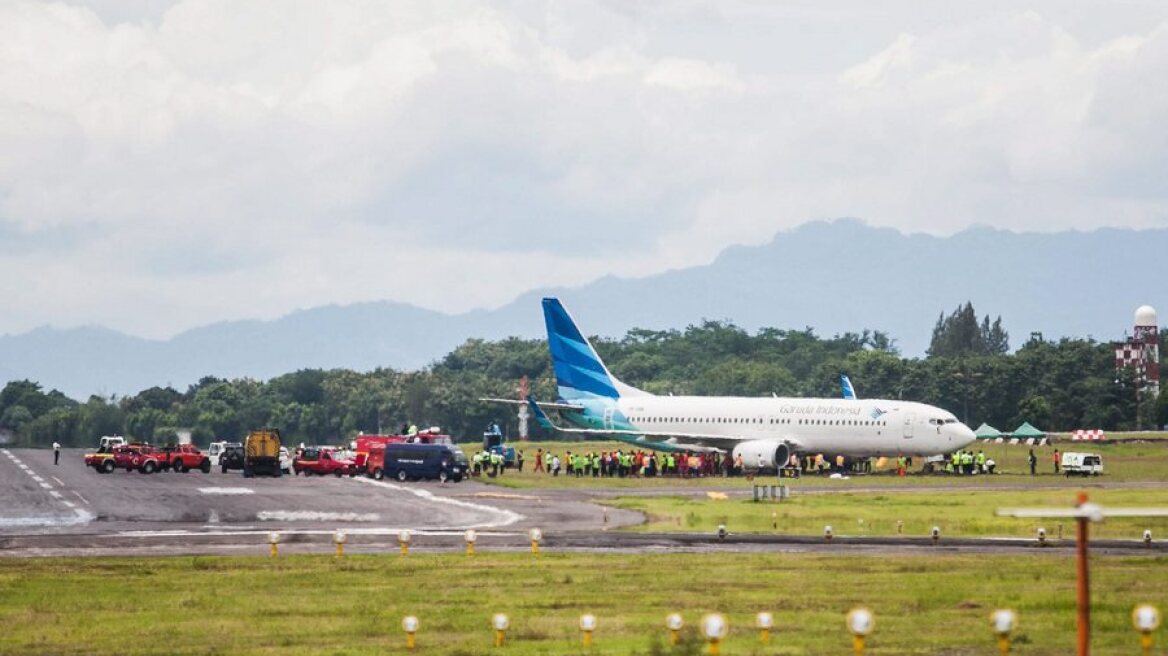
<point>764,454</point>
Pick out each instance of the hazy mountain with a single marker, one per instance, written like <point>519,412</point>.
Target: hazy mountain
<point>835,277</point>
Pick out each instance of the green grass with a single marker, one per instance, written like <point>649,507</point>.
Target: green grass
<point>924,604</point>
<point>1127,462</point>
<point>957,514</point>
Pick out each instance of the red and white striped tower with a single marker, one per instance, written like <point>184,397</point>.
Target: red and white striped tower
<point>1141,353</point>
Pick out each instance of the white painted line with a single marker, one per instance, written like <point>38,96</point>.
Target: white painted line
<point>78,495</point>
<point>74,518</point>
<point>59,481</point>
<point>36,478</point>
<point>503,517</point>
<point>56,494</point>
<point>219,532</point>
<point>69,503</point>
<point>231,491</point>
<point>315,516</point>
<point>23,466</point>
<point>46,485</point>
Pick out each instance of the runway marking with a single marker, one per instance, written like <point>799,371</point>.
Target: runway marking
<point>22,465</point>
<point>504,517</point>
<point>227,490</point>
<point>59,481</point>
<point>69,503</point>
<point>36,478</point>
<point>314,516</point>
<point>446,532</point>
<point>78,495</point>
<point>56,494</point>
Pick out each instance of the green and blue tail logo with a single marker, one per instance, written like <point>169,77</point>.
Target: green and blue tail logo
<point>580,374</point>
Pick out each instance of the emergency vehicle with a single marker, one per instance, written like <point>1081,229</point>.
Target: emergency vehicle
<point>322,460</point>
<point>362,444</point>
<point>184,457</point>
<point>418,461</point>
<point>1083,464</point>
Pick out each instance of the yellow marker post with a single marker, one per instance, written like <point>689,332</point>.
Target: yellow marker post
<point>936,533</point>
<point>827,533</point>
<point>674,623</point>
<point>860,623</point>
<point>1003,622</point>
<point>274,540</point>
<point>410,626</point>
<point>714,628</point>
<point>403,540</point>
<point>536,535</point>
<point>1146,619</point>
<point>1041,536</point>
<point>500,622</point>
<point>471,536</point>
<point>339,539</point>
<point>765,622</point>
<point>587,626</point>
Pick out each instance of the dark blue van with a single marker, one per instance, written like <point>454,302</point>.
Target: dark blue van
<point>417,461</point>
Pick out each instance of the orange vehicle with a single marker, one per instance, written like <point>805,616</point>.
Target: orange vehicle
<point>185,457</point>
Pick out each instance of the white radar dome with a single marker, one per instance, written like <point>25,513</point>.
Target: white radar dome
<point>1146,316</point>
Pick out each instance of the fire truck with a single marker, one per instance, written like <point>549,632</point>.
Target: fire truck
<point>363,444</point>
<point>184,457</point>
<point>141,457</point>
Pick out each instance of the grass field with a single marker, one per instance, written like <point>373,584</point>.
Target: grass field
<point>1124,462</point>
<point>957,514</point>
<point>924,604</point>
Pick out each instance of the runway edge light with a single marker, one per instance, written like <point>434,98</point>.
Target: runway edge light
<point>1146,619</point>
<point>714,628</point>
<point>410,626</point>
<point>674,623</point>
<point>587,626</point>
<point>1004,622</point>
<point>501,623</point>
<point>860,622</point>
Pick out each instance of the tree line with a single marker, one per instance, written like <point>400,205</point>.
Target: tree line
<point>1055,385</point>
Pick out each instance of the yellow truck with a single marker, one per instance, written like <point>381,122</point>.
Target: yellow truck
<point>261,453</point>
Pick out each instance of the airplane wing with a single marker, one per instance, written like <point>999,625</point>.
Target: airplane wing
<point>670,440</point>
<point>542,404</point>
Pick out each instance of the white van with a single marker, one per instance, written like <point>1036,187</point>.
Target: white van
<point>1083,464</point>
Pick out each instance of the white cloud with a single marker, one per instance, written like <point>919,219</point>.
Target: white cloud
<point>209,159</point>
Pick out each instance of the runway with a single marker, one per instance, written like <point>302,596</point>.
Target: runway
<point>70,510</point>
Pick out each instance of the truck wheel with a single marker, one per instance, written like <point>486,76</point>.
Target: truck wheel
<point>178,467</point>
<point>378,474</point>
<point>107,467</point>
<point>205,466</point>
<point>148,467</point>
<point>442,476</point>
<point>247,472</point>
<point>401,475</point>
<point>277,473</point>
<point>224,467</point>
<point>337,473</point>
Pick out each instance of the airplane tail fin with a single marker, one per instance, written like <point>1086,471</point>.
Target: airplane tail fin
<point>849,392</point>
<point>579,371</point>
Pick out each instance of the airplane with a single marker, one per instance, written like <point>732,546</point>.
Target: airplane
<point>765,431</point>
<point>849,392</point>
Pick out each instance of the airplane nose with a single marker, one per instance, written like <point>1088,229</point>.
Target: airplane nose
<point>966,435</point>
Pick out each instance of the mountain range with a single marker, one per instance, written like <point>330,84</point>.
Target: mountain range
<point>832,276</point>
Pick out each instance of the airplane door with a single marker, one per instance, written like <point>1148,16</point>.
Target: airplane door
<point>908,426</point>
<point>608,418</point>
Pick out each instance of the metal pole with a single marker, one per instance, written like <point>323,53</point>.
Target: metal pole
<point>1084,588</point>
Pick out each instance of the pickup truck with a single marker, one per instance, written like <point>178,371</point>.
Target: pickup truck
<point>184,457</point>
<point>140,457</point>
<point>322,460</point>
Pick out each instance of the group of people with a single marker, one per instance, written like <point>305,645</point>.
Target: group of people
<point>630,463</point>
<point>967,463</point>
<point>486,462</point>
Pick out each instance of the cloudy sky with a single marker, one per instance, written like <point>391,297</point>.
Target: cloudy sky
<point>168,164</point>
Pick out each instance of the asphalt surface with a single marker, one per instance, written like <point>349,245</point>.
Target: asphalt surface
<point>71,510</point>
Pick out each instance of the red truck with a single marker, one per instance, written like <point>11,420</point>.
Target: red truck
<point>322,460</point>
<point>184,457</point>
<point>141,457</point>
<point>363,444</point>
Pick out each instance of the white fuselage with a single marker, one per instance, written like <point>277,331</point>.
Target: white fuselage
<point>860,428</point>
